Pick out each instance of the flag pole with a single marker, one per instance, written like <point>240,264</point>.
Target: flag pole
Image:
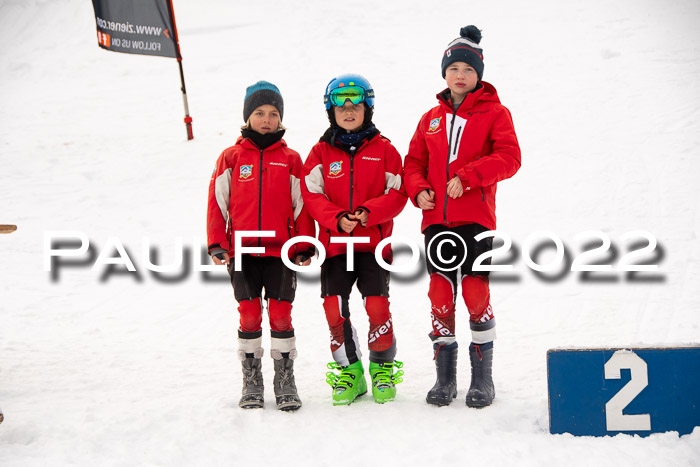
<point>188,119</point>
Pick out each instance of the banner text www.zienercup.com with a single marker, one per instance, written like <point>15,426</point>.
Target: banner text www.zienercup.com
<point>129,28</point>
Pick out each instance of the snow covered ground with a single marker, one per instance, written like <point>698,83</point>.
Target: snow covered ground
<point>100,368</point>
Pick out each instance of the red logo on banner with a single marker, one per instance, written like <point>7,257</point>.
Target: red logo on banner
<point>103,39</point>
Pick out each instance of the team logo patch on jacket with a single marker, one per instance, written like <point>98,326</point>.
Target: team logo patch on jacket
<point>434,126</point>
<point>246,171</point>
<point>335,168</point>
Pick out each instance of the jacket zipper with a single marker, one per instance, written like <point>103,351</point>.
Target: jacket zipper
<point>459,130</point>
<point>260,192</point>
<point>447,169</point>
<point>352,171</point>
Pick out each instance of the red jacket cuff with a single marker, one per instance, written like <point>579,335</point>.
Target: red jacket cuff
<point>469,178</point>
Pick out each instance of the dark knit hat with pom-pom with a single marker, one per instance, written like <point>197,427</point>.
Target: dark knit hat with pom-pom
<point>465,49</point>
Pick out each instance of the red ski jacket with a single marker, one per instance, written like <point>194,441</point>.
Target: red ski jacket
<point>336,183</point>
<point>477,143</point>
<point>255,189</point>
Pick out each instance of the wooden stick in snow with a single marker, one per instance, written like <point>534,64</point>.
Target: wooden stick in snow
<point>7,228</point>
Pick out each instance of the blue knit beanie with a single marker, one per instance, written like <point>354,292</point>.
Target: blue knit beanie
<point>262,93</point>
<point>465,49</point>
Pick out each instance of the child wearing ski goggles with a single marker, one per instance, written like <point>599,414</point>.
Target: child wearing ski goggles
<point>356,94</point>
<point>351,186</point>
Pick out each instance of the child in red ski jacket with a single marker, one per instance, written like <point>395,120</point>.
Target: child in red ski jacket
<point>256,187</point>
<point>352,187</point>
<point>461,149</point>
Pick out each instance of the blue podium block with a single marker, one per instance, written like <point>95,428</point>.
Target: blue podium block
<point>599,392</point>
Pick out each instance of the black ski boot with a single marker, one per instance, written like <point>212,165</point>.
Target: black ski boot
<point>285,388</point>
<point>253,389</point>
<point>481,391</point>
<point>445,388</point>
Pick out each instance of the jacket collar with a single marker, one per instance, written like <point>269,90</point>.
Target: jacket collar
<point>483,92</point>
<point>248,143</point>
<point>368,134</point>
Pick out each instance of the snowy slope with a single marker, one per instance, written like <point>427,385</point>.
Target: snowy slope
<point>130,369</point>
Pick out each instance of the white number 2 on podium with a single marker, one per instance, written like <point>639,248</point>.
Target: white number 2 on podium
<point>614,418</point>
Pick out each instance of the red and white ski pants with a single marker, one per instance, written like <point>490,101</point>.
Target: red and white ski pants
<point>477,298</point>
<point>344,342</point>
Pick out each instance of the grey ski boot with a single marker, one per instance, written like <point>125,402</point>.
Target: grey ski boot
<point>253,390</point>
<point>481,391</point>
<point>285,387</point>
<point>445,388</point>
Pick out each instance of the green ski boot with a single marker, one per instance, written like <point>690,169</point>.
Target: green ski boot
<point>349,384</point>
<point>384,380</point>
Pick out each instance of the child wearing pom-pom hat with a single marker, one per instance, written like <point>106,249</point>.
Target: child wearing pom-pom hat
<point>461,149</point>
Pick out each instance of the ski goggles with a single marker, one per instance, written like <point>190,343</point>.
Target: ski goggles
<point>355,94</point>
